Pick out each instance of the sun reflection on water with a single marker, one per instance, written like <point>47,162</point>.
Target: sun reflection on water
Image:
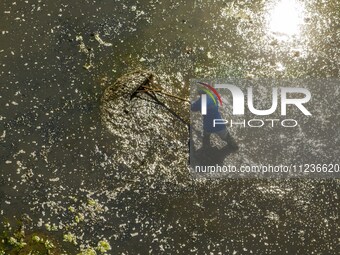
<point>285,19</point>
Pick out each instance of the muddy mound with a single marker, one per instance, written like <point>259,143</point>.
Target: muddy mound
<point>147,124</point>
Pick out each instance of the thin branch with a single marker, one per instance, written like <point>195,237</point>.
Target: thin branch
<point>149,89</point>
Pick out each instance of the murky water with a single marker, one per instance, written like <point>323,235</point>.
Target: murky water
<point>56,59</point>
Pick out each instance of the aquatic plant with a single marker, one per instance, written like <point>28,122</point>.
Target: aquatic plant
<point>71,238</point>
<point>88,251</point>
<point>103,246</point>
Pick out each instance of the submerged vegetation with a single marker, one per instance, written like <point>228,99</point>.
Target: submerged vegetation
<point>18,241</point>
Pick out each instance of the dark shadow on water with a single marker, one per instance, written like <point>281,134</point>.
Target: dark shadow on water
<point>210,156</point>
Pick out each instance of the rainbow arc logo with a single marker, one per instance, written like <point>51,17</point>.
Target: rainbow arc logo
<point>211,91</point>
<point>213,94</point>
